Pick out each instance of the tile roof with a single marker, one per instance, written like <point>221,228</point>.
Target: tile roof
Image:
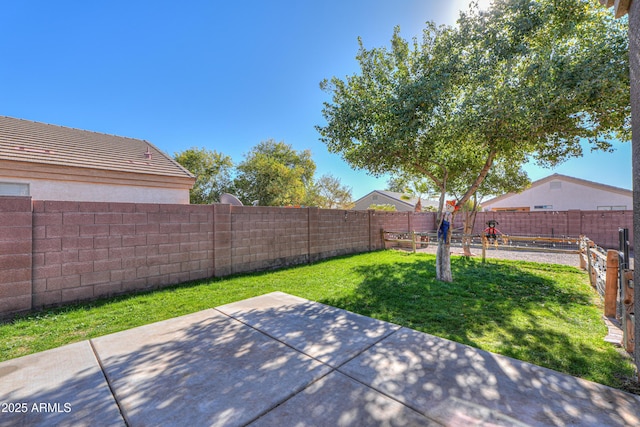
<point>34,142</point>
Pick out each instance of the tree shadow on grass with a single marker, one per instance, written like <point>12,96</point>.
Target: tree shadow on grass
<point>524,313</point>
<point>281,360</point>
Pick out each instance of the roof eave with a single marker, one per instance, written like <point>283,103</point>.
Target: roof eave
<point>26,170</point>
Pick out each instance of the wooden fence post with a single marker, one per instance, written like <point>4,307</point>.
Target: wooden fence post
<point>590,268</point>
<point>611,284</point>
<point>583,253</point>
<point>484,249</point>
<point>628,318</point>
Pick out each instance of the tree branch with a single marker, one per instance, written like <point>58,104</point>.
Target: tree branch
<point>440,183</point>
<point>481,176</point>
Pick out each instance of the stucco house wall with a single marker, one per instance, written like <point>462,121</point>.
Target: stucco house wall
<point>561,193</point>
<point>61,190</point>
<point>49,162</point>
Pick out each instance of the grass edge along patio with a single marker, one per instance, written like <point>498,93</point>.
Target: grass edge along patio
<point>544,314</point>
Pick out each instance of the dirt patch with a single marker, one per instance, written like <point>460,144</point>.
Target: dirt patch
<point>517,255</point>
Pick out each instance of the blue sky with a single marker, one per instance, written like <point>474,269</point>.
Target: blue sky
<point>220,75</point>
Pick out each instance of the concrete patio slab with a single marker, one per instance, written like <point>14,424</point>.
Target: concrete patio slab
<point>285,361</point>
<point>63,386</point>
<point>326,333</point>
<point>337,400</point>
<point>199,370</point>
<point>456,384</point>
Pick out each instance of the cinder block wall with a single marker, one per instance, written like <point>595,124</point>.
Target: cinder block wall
<point>341,232</point>
<point>86,250</point>
<point>600,226</point>
<point>59,252</point>
<point>423,222</point>
<point>526,223</point>
<point>396,221</point>
<point>15,254</point>
<point>264,237</point>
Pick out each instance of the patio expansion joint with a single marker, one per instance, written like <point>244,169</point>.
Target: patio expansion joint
<point>111,390</point>
<point>379,340</point>
<point>331,370</point>
<point>406,404</point>
<point>271,336</point>
<point>294,392</point>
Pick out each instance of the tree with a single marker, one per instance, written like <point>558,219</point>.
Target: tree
<point>212,171</point>
<point>504,177</point>
<point>522,80</point>
<point>274,174</point>
<point>328,192</point>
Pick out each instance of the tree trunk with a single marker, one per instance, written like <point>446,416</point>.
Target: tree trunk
<point>483,174</point>
<point>443,254</point>
<point>469,224</point>
<point>443,260</point>
<point>466,240</point>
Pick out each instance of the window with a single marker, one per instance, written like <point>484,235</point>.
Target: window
<point>510,209</point>
<point>543,207</point>
<point>612,208</point>
<point>13,189</point>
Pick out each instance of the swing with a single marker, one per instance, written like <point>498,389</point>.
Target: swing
<point>491,233</point>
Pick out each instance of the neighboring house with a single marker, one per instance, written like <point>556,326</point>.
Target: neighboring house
<point>381,197</point>
<point>49,162</point>
<point>562,193</point>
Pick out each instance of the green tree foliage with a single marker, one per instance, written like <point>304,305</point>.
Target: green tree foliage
<point>212,171</point>
<point>385,207</point>
<point>274,174</point>
<point>526,79</point>
<point>328,192</point>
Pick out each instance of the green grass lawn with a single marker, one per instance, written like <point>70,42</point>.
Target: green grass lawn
<point>539,313</point>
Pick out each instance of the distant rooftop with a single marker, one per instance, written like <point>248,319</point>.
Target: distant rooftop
<point>558,176</point>
<point>402,198</point>
<point>34,142</point>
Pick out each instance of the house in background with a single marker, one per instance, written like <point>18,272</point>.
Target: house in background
<point>49,162</point>
<point>562,193</point>
<point>382,197</point>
